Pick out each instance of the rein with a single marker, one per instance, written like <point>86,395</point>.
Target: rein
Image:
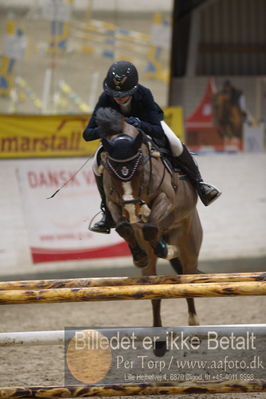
<point>161,182</point>
<point>150,162</point>
<point>150,170</point>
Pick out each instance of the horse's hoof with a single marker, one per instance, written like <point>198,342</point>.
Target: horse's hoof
<point>199,272</point>
<point>124,229</point>
<point>140,258</point>
<point>141,263</point>
<point>193,320</point>
<point>160,348</point>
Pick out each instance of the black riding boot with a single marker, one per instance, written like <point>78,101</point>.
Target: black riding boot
<point>186,163</point>
<point>106,223</point>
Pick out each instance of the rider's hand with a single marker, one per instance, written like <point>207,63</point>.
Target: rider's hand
<point>132,120</point>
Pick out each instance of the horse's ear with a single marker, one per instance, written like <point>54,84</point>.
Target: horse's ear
<point>138,141</point>
<point>107,145</point>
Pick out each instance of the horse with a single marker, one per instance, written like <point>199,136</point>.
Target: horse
<point>227,116</point>
<point>153,208</point>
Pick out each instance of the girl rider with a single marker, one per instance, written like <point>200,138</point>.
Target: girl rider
<point>123,93</point>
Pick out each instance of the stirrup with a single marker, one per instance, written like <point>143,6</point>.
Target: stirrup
<point>208,198</point>
<point>99,227</point>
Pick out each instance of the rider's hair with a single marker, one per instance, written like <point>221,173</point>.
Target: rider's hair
<point>109,121</point>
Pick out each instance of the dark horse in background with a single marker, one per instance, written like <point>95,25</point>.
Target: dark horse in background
<point>227,117</point>
<point>154,209</point>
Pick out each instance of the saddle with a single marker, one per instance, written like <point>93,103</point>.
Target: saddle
<point>165,154</point>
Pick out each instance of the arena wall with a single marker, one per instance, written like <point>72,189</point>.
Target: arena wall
<point>234,226</point>
<point>101,5</point>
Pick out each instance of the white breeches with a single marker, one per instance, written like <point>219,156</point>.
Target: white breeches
<point>95,166</point>
<point>176,146</point>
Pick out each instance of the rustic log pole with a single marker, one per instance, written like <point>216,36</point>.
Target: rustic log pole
<point>110,390</point>
<point>114,281</point>
<point>116,293</point>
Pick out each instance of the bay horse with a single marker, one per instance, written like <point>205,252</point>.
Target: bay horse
<point>154,209</point>
<point>227,116</point>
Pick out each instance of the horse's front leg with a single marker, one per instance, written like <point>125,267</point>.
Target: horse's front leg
<point>160,346</point>
<point>160,219</point>
<point>125,230</point>
<point>150,270</point>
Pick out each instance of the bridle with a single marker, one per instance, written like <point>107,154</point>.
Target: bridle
<point>125,169</point>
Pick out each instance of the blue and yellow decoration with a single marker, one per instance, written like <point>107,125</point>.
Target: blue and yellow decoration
<point>7,63</point>
<point>60,30</point>
<point>159,40</point>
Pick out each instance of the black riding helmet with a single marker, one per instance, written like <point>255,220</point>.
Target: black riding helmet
<point>121,79</point>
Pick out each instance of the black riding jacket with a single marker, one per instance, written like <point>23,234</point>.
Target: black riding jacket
<point>234,95</point>
<point>143,107</point>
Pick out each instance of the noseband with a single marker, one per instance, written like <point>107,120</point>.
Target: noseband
<point>124,169</point>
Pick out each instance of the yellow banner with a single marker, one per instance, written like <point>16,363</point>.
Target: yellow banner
<point>23,136</point>
<point>44,136</point>
<point>173,116</point>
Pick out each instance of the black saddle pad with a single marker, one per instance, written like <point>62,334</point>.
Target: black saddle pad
<point>168,162</point>
<point>166,156</point>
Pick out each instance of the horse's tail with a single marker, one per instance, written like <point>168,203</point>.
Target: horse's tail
<point>109,121</point>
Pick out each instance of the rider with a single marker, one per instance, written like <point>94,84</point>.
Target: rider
<point>123,93</point>
<point>236,97</point>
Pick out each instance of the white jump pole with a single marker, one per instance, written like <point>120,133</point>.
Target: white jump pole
<point>57,337</point>
<point>32,338</point>
<point>93,89</point>
<point>46,90</point>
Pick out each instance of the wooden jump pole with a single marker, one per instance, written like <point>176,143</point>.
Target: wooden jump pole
<point>116,293</point>
<point>110,390</point>
<point>121,281</point>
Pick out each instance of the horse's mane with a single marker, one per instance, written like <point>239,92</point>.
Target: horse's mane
<point>109,121</point>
